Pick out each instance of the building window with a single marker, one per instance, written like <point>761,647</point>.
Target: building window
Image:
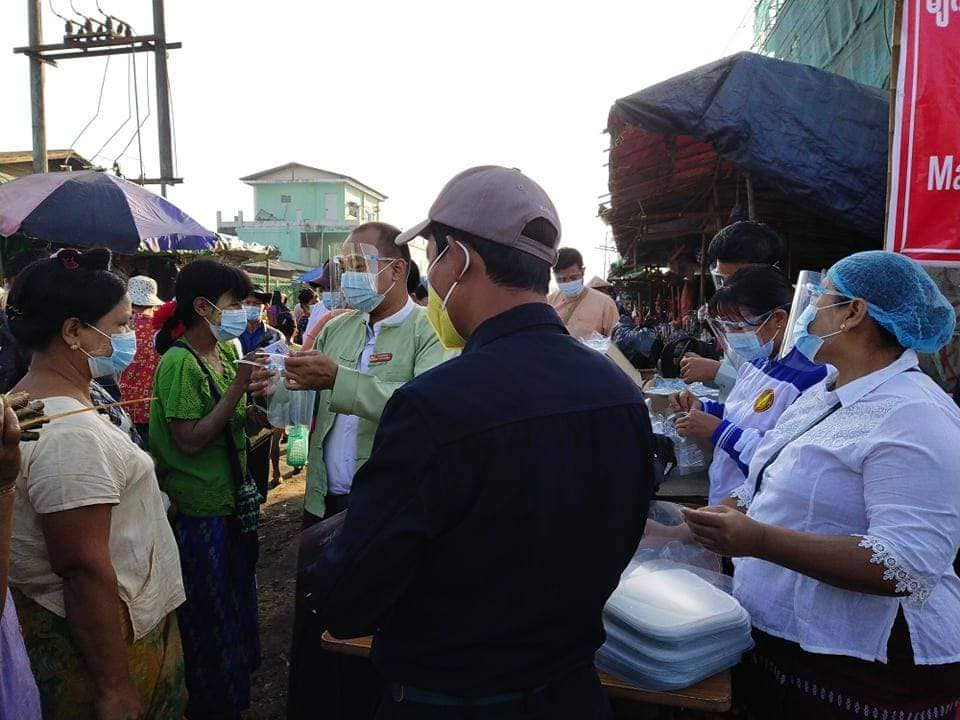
<point>353,210</point>
<point>311,240</point>
<point>285,199</point>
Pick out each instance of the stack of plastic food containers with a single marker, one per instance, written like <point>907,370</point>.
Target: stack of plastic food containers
<point>669,629</point>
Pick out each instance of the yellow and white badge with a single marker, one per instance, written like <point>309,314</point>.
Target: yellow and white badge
<point>764,401</point>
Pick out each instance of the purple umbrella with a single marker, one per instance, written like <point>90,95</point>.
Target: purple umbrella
<point>95,209</point>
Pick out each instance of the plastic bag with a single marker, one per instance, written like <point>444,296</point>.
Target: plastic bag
<point>300,407</point>
<point>596,341</point>
<point>690,458</point>
<point>668,386</point>
<point>667,543</point>
<point>278,410</point>
<point>665,513</point>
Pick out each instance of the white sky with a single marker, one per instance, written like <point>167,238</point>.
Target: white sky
<point>400,94</point>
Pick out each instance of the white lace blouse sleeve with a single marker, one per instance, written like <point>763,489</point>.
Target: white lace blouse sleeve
<point>744,494</point>
<point>911,490</point>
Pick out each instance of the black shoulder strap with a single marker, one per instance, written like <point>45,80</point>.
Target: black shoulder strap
<point>232,457</point>
<point>773,458</point>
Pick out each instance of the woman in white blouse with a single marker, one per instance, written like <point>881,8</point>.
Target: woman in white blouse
<point>849,521</point>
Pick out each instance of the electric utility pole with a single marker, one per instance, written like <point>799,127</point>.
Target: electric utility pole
<point>109,36</point>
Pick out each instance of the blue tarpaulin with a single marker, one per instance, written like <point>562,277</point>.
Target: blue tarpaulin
<point>817,138</point>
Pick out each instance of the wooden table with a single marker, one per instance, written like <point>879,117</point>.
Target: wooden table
<point>715,694</point>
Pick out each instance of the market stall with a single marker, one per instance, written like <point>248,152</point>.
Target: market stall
<point>745,137</point>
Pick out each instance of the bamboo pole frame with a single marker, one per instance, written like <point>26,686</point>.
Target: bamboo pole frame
<point>894,70</point>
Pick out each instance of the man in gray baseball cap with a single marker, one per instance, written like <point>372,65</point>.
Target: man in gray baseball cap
<point>506,490</point>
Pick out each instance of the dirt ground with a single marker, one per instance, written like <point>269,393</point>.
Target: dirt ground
<point>279,527</point>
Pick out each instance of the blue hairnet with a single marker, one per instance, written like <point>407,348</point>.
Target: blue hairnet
<point>900,296</point>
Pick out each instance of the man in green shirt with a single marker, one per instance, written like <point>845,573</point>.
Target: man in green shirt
<point>356,363</point>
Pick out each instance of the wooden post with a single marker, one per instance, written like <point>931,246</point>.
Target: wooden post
<point>703,268</point>
<point>789,257</point>
<point>268,273</point>
<point>163,96</point>
<point>37,111</point>
<point>894,71</point>
<point>751,205</point>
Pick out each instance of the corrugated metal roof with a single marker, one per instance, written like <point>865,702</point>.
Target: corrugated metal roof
<point>19,156</point>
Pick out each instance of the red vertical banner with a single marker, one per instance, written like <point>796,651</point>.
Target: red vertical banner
<point>923,217</point>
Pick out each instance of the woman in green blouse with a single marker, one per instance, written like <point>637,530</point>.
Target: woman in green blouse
<point>198,426</point>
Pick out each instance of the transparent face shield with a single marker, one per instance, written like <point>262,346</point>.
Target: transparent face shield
<point>718,278</point>
<point>333,298</point>
<point>358,263</point>
<point>802,297</point>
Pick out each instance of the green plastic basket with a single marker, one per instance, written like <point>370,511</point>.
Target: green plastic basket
<point>297,446</point>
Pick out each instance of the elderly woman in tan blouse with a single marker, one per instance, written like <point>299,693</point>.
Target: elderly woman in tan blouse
<point>94,566</point>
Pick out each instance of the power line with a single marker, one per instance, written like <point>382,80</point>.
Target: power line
<point>68,23</point>
<point>103,84</point>
<point>129,113</point>
<point>750,10</point>
<point>103,34</point>
<point>140,124</point>
<point>173,128</point>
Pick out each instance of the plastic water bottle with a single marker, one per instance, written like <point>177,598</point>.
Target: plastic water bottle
<point>690,457</point>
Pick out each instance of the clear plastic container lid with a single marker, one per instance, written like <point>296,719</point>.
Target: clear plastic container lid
<point>689,653</point>
<point>672,605</point>
<point>633,667</point>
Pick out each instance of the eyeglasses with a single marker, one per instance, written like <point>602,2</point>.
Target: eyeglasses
<point>818,291</point>
<point>569,278</point>
<point>740,326</point>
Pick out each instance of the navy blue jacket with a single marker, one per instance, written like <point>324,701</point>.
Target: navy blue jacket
<point>506,491</point>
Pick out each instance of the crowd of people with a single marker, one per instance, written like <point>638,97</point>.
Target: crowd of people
<point>478,477</point>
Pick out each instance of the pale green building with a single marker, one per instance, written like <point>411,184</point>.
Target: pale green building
<point>304,211</point>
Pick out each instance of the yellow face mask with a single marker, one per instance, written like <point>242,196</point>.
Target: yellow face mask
<point>437,314</point>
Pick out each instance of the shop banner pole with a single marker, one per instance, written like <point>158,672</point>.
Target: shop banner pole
<point>923,201</point>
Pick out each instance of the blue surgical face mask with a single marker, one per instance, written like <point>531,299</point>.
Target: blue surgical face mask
<point>359,290</point>
<point>746,347</point>
<point>331,300</point>
<point>232,323</point>
<point>572,288</point>
<point>804,341</point>
<point>123,349</point>
<point>253,312</point>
